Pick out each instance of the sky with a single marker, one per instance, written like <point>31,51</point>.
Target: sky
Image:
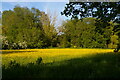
<point>34,0</point>
<point>54,8</point>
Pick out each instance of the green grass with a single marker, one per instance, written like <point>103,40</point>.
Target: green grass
<point>95,66</point>
<point>25,56</point>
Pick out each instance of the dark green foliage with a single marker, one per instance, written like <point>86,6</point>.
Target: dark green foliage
<point>99,66</point>
<point>104,12</point>
<point>39,60</point>
<point>31,28</point>
<point>24,28</point>
<point>14,64</point>
<point>82,34</point>
<point>116,50</point>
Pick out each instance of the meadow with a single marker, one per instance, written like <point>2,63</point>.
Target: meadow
<point>48,55</point>
<point>60,64</point>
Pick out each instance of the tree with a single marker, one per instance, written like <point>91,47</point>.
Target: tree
<point>0,30</point>
<point>79,33</point>
<point>104,12</point>
<point>114,41</point>
<point>22,26</point>
<point>49,21</point>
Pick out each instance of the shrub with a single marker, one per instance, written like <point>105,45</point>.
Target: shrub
<point>39,60</point>
<point>13,63</point>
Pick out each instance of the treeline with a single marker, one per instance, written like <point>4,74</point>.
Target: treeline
<point>27,28</point>
<point>106,30</point>
<point>84,34</point>
<point>31,28</point>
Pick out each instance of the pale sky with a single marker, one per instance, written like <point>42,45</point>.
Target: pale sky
<point>34,0</point>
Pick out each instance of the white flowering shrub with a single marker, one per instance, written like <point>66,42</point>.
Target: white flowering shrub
<point>5,43</point>
<point>22,45</point>
<point>16,45</point>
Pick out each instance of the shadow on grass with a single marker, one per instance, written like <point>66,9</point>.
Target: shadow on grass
<point>102,66</point>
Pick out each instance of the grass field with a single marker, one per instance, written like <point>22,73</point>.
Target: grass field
<point>48,55</point>
<point>61,64</point>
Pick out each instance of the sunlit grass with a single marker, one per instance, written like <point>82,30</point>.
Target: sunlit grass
<point>25,56</point>
<point>61,64</point>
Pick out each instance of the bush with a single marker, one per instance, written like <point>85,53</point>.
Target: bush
<point>13,63</point>
<point>39,60</point>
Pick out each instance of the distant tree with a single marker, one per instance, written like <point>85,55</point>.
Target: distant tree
<point>49,21</point>
<point>79,33</point>
<point>23,25</point>
<point>28,28</point>
<point>0,30</point>
<point>114,41</point>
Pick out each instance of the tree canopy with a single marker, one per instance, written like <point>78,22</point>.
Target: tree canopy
<point>24,28</point>
<point>89,27</point>
<point>103,12</point>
